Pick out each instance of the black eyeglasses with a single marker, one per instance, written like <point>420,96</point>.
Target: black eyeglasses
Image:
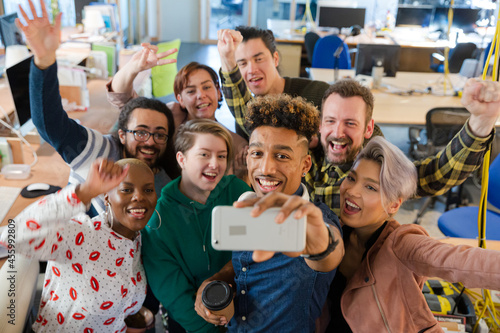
<point>142,135</point>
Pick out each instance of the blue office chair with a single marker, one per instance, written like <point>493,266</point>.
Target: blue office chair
<point>324,50</point>
<point>462,222</point>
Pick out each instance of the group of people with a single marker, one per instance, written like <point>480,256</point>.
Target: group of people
<point>134,224</point>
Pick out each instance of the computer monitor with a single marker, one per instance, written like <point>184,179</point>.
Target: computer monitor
<point>369,54</point>
<point>463,18</point>
<point>412,15</point>
<point>340,17</point>
<point>9,33</point>
<point>18,78</point>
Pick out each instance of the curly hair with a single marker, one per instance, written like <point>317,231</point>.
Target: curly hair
<point>284,111</point>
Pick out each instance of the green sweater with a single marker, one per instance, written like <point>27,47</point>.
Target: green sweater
<point>179,256</point>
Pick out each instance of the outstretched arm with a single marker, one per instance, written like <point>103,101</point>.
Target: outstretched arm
<point>49,117</point>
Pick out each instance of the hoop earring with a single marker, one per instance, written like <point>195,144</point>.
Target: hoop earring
<point>109,216</point>
<point>159,218</point>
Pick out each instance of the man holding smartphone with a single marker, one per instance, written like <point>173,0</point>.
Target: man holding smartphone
<point>275,291</point>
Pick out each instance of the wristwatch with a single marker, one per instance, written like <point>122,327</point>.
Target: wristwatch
<point>332,244</point>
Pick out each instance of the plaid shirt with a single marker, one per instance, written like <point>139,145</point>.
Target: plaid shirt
<point>436,174</point>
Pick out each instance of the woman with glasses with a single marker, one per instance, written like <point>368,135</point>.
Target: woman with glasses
<point>94,278</point>
<point>196,88</point>
<point>179,256</point>
<point>79,146</point>
<point>386,264</point>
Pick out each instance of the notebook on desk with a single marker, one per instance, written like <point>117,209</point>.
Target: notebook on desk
<point>8,196</point>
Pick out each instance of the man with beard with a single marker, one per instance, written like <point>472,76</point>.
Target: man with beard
<point>347,122</point>
<point>144,124</point>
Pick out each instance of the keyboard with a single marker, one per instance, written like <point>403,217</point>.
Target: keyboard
<point>7,197</point>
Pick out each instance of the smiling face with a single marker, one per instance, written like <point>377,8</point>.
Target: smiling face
<point>148,151</point>
<point>343,128</point>
<point>133,201</point>
<point>258,67</point>
<point>200,97</point>
<point>203,166</point>
<point>360,198</point>
<point>277,159</point>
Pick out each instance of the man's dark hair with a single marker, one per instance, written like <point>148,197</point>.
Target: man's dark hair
<point>266,36</point>
<point>165,161</point>
<point>283,111</point>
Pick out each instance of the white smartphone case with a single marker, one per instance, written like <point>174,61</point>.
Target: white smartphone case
<point>234,229</point>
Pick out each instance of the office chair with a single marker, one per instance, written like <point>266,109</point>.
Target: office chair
<point>310,40</point>
<point>324,50</point>
<point>462,221</point>
<point>441,125</point>
<point>456,57</point>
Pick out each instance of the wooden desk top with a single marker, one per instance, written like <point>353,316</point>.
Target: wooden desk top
<point>404,109</point>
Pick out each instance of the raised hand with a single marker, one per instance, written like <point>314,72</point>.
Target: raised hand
<point>482,100</point>
<point>144,59</point>
<point>228,41</point>
<point>149,57</point>
<point>42,37</point>
<point>104,175</point>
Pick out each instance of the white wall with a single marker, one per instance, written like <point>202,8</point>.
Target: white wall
<point>180,19</point>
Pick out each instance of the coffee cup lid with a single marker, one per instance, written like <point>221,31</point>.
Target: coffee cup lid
<point>217,295</point>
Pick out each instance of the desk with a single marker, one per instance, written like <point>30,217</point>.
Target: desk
<point>394,109</point>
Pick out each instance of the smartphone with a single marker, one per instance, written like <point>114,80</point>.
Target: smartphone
<point>234,229</point>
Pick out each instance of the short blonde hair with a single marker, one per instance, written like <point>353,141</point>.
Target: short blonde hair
<point>186,135</point>
<point>398,175</point>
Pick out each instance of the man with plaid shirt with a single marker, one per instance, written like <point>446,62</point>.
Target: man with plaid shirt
<point>249,60</point>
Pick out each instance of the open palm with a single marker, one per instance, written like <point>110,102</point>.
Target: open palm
<point>42,37</point>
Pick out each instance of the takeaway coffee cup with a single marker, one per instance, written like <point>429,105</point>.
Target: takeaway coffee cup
<point>218,298</point>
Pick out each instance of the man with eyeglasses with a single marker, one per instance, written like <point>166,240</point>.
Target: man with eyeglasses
<point>144,125</point>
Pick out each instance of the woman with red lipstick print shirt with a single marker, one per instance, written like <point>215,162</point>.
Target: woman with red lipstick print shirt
<point>94,277</point>
<point>386,264</point>
<point>179,256</point>
<point>196,88</point>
